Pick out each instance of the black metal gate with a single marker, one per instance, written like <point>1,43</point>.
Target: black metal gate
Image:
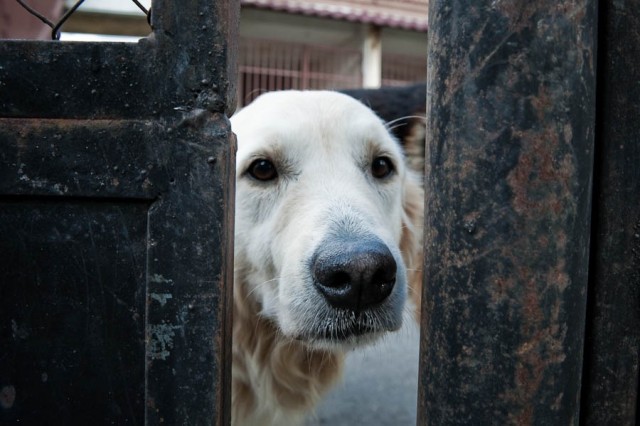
<point>116,213</point>
<point>531,305</point>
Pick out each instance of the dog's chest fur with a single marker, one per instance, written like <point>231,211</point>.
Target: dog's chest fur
<point>292,377</point>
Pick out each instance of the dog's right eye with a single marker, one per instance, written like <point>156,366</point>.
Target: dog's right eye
<point>381,167</point>
<point>263,170</point>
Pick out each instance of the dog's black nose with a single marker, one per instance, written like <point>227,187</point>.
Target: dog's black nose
<point>354,274</point>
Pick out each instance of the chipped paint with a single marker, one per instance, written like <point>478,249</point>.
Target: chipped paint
<point>157,278</point>
<point>162,298</point>
<point>38,183</point>
<point>161,340</point>
<point>19,332</point>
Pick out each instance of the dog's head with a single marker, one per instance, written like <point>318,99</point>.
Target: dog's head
<point>321,215</point>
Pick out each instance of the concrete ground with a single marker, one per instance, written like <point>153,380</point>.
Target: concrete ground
<point>379,387</point>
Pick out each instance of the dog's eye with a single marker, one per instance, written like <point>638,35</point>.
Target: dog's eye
<point>263,170</point>
<point>381,167</point>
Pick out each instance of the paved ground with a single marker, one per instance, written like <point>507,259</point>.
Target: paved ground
<point>380,386</point>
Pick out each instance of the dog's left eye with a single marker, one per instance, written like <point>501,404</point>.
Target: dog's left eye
<point>263,170</point>
<point>381,167</point>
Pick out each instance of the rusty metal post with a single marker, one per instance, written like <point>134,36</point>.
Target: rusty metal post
<point>510,106</point>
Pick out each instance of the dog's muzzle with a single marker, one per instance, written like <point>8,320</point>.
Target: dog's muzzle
<point>354,274</point>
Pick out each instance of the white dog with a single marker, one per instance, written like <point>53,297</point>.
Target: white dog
<point>327,245</point>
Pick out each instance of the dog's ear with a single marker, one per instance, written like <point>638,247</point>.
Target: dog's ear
<point>411,239</point>
<point>413,140</point>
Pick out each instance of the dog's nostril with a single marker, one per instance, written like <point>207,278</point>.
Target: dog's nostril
<point>354,275</point>
<point>336,279</point>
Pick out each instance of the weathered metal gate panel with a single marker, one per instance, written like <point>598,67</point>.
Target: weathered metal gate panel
<point>612,370</point>
<point>511,113</point>
<point>116,201</point>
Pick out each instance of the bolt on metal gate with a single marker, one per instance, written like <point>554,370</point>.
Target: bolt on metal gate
<point>116,213</point>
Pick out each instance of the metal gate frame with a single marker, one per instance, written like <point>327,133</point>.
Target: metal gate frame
<point>531,303</point>
<point>116,203</point>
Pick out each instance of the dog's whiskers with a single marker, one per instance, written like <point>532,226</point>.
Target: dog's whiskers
<point>421,117</point>
<point>255,288</point>
<point>251,94</point>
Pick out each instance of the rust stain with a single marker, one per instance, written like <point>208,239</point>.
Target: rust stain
<point>531,309</point>
<point>501,290</point>
<point>543,339</point>
<point>542,195</point>
<point>558,277</point>
<point>543,103</point>
<point>541,184</point>
<point>522,17</point>
<point>518,14</point>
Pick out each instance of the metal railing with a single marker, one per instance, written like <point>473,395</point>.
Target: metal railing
<point>272,65</point>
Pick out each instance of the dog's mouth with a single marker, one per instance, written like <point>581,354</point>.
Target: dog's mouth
<point>346,332</point>
<point>347,327</point>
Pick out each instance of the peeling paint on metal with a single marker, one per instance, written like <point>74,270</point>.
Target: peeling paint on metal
<point>162,298</point>
<point>157,278</point>
<point>161,340</point>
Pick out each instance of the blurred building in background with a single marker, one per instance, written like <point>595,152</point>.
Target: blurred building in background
<point>293,44</point>
<point>331,44</point>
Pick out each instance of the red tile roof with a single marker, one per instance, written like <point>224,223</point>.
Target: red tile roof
<point>405,14</point>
